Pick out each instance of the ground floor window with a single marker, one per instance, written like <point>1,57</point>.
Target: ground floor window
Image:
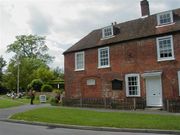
<point>132,85</point>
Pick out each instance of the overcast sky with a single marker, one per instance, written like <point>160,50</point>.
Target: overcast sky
<point>64,22</point>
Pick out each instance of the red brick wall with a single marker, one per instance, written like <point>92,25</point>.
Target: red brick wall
<point>130,57</point>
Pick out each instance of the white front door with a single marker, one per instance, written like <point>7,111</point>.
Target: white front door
<point>154,91</point>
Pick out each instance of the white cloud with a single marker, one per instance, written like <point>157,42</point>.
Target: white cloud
<point>64,22</point>
<point>39,23</point>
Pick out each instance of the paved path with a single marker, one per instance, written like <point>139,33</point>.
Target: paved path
<point>7,112</point>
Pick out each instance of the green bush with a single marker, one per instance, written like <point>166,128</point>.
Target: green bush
<point>36,84</point>
<point>56,91</point>
<point>53,101</point>
<point>46,88</point>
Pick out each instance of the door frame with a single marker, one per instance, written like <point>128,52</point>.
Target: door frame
<point>148,76</point>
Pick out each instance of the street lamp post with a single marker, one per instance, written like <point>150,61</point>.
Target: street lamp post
<point>18,73</point>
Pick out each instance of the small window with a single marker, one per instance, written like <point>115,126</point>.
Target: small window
<point>79,61</point>
<point>165,18</point>
<point>91,82</point>
<point>179,81</point>
<point>132,85</point>
<point>117,84</point>
<point>165,49</point>
<point>107,32</point>
<point>103,57</point>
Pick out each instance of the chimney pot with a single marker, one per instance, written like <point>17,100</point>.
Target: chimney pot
<point>145,8</point>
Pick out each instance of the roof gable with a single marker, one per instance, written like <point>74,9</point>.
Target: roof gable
<point>135,29</point>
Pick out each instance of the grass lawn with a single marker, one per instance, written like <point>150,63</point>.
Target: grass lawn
<point>6,103</point>
<point>100,119</point>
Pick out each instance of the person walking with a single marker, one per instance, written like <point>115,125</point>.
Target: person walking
<point>32,96</point>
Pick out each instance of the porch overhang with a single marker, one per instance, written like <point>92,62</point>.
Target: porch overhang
<point>151,74</point>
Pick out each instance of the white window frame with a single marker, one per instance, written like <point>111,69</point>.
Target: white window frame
<point>127,85</point>
<point>108,36</point>
<point>99,58</point>
<point>76,62</point>
<point>91,82</point>
<point>179,81</point>
<point>164,13</point>
<point>158,49</point>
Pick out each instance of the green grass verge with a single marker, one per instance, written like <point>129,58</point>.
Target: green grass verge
<point>100,119</point>
<point>6,103</point>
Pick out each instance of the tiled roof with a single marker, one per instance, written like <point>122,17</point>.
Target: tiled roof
<point>135,29</point>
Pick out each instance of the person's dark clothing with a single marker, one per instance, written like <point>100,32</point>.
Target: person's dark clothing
<point>32,96</point>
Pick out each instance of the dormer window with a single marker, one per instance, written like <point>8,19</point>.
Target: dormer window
<point>165,18</point>
<point>107,32</point>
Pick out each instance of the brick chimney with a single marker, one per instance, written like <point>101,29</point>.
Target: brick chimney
<point>145,8</point>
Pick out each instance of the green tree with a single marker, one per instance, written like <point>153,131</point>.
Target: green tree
<point>31,46</point>
<point>27,67</point>
<point>2,64</point>
<point>31,59</point>
<point>58,73</point>
<point>44,73</point>
<point>36,84</point>
<point>46,88</point>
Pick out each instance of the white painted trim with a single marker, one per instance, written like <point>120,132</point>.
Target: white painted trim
<point>158,18</point>
<point>172,47</point>
<point>179,81</point>
<point>76,69</point>
<point>159,26</point>
<point>99,60</point>
<point>112,31</point>
<point>151,74</point>
<point>104,66</point>
<point>161,95</point>
<point>127,85</point>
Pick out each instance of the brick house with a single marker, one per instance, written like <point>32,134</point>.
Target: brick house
<point>135,59</point>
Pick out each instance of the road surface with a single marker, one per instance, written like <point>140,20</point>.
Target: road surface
<point>7,128</point>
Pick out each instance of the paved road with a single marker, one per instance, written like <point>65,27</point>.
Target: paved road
<point>23,129</point>
<point>5,113</point>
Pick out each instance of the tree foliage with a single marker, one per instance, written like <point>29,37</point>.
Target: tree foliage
<point>30,59</point>
<point>59,73</point>
<point>27,69</point>
<point>44,73</point>
<point>31,46</point>
<point>46,88</point>
<point>36,84</point>
<point>2,64</point>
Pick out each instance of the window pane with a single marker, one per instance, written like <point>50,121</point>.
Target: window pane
<point>108,31</point>
<point>165,47</point>
<point>104,56</point>
<point>80,60</point>
<point>165,18</point>
<point>133,87</point>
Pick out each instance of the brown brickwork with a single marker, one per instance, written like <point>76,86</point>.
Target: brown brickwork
<point>138,56</point>
<point>132,51</point>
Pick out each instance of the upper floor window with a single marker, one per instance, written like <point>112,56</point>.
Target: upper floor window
<point>107,32</point>
<point>165,18</point>
<point>165,49</point>
<point>132,85</point>
<point>79,61</point>
<point>103,57</point>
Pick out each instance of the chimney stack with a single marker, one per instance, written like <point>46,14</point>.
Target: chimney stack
<point>145,8</point>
